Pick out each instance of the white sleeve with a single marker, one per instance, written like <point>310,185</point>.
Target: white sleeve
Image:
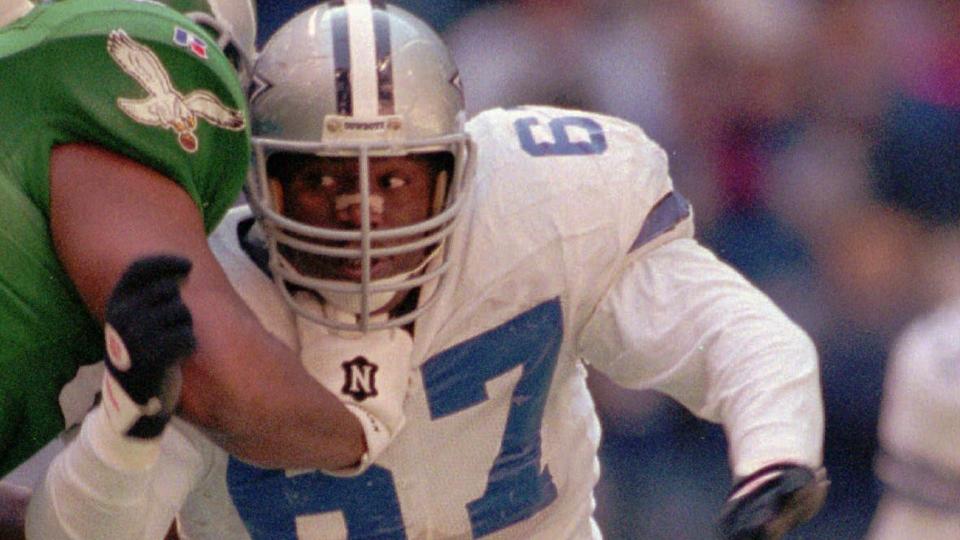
<point>103,485</point>
<point>680,321</point>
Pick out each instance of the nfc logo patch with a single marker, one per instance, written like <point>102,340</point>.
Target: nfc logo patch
<point>360,378</point>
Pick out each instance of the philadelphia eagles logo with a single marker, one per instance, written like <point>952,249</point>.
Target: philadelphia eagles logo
<point>165,106</point>
<point>360,378</point>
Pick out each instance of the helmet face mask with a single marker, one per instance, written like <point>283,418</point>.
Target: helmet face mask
<point>323,192</point>
<point>365,89</point>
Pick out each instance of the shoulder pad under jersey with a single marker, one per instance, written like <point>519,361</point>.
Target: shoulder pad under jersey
<point>591,170</point>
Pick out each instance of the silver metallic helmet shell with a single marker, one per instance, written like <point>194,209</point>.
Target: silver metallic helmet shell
<point>358,78</point>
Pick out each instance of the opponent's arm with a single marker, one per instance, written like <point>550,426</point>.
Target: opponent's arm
<point>126,475</point>
<point>248,390</point>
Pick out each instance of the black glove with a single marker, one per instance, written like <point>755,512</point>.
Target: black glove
<point>769,503</point>
<point>149,331</point>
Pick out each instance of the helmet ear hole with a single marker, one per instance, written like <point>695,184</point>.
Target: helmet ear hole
<point>276,193</point>
<point>440,191</point>
<point>233,55</point>
<point>442,164</point>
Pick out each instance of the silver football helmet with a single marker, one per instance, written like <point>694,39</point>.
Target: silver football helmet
<point>363,80</point>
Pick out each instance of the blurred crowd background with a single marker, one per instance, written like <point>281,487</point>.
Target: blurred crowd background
<point>819,142</point>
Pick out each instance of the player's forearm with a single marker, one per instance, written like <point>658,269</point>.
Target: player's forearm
<point>258,402</point>
<point>291,440</point>
<point>762,370</point>
<point>770,399</point>
<point>242,386</point>
<point>293,427</point>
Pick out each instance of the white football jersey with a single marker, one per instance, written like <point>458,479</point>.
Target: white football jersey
<point>920,433</point>
<point>574,249</point>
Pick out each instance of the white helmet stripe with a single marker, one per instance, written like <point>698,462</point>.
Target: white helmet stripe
<point>381,30</point>
<point>361,37</point>
<point>363,82</point>
<point>340,35</point>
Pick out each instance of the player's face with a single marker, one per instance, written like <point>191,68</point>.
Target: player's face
<point>324,192</point>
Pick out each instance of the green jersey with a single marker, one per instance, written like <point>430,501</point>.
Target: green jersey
<point>136,78</point>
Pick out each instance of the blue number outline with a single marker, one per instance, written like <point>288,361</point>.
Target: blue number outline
<point>455,380</point>
<point>269,501</point>
<point>561,145</point>
<point>518,487</point>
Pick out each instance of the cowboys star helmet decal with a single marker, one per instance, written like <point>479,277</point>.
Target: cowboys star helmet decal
<point>165,106</point>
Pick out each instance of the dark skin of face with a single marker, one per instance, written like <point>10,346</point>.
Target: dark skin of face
<point>323,192</point>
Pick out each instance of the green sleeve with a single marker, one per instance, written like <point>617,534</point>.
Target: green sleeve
<point>159,92</point>
<point>145,82</point>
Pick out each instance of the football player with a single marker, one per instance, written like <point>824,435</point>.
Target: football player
<point>920,433</point>
<point>476,268</point>
<point>127,134</point>
<point>918,461</point>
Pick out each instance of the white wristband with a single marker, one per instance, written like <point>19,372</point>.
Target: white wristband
<point>117,451</point>
<point>378,437</point>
